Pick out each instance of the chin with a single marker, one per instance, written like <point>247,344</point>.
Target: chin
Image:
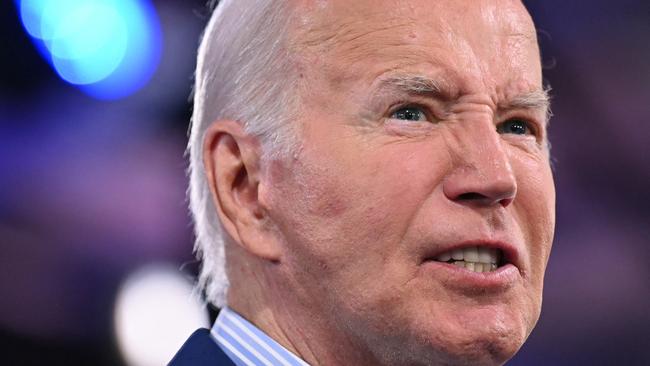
<point>488,349</point>
<point>490,344</point>
<point>475,350</point>
<point>477,339</point>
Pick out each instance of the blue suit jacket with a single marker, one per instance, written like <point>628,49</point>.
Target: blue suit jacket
<point>201,349</point>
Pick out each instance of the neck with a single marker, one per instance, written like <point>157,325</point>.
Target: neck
<point>307,330</point>
<point>302,324</point>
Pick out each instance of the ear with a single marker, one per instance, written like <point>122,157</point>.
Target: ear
<point>232,164</point>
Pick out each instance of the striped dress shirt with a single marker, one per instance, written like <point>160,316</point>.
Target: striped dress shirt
<point>247,345</point>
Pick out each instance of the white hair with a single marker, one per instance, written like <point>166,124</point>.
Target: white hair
<point>243,73</point>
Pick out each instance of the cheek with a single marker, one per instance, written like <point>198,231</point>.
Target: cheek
<point>388,186</point>
<point>350,208</point>
<point>355,189</point>
<point>535,211</point>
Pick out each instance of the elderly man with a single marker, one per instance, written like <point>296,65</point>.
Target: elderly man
<point>370,182</point>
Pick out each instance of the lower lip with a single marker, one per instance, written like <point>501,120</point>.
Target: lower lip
<point>500,279</point>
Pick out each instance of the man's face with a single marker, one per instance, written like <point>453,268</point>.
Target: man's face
<point>423,132</point>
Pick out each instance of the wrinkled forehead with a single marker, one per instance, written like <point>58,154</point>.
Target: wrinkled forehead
<point>485,42</point>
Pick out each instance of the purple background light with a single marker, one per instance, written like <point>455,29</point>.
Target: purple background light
<point>91,190</point>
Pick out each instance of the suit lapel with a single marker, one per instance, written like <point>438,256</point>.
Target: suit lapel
<point>201,349</point>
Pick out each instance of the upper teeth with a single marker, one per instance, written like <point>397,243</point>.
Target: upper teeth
<point>472,257</point>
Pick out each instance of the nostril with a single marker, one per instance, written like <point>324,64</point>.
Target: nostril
<point>475,198</point>
<point>471,196</point>
<point>505,202</point>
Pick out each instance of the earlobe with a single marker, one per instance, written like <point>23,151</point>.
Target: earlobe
<point>232,165</point>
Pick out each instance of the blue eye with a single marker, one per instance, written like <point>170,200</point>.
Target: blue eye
<point>515,127</point>
<point>409,114</point>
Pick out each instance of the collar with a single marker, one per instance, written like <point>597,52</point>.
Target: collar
<point>247,345</point>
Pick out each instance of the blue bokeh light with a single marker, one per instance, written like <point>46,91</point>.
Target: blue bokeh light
<point>108,48</point>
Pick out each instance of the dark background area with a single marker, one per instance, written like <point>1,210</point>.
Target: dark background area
<point>92,190</point>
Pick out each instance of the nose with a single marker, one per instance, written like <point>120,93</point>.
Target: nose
<point>481,174</point>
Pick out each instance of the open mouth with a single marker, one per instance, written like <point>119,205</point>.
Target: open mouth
<point>474,258</point>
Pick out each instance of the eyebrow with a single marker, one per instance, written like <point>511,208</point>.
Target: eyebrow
<point>536,100</point>
<point>415,84</point>
<point>425,86</point>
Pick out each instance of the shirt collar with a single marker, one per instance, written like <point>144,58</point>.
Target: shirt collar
<point>247,345</point>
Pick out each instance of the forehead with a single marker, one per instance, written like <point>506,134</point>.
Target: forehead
<point>473,44</point>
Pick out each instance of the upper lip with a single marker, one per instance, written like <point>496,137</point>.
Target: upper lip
<point>509,251</point>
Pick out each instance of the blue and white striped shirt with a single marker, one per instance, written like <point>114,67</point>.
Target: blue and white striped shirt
<point>247,345</point>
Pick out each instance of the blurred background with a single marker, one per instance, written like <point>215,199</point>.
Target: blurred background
<point>95,237</point>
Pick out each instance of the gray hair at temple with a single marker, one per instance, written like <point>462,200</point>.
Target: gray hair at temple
<point>244,74</point>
